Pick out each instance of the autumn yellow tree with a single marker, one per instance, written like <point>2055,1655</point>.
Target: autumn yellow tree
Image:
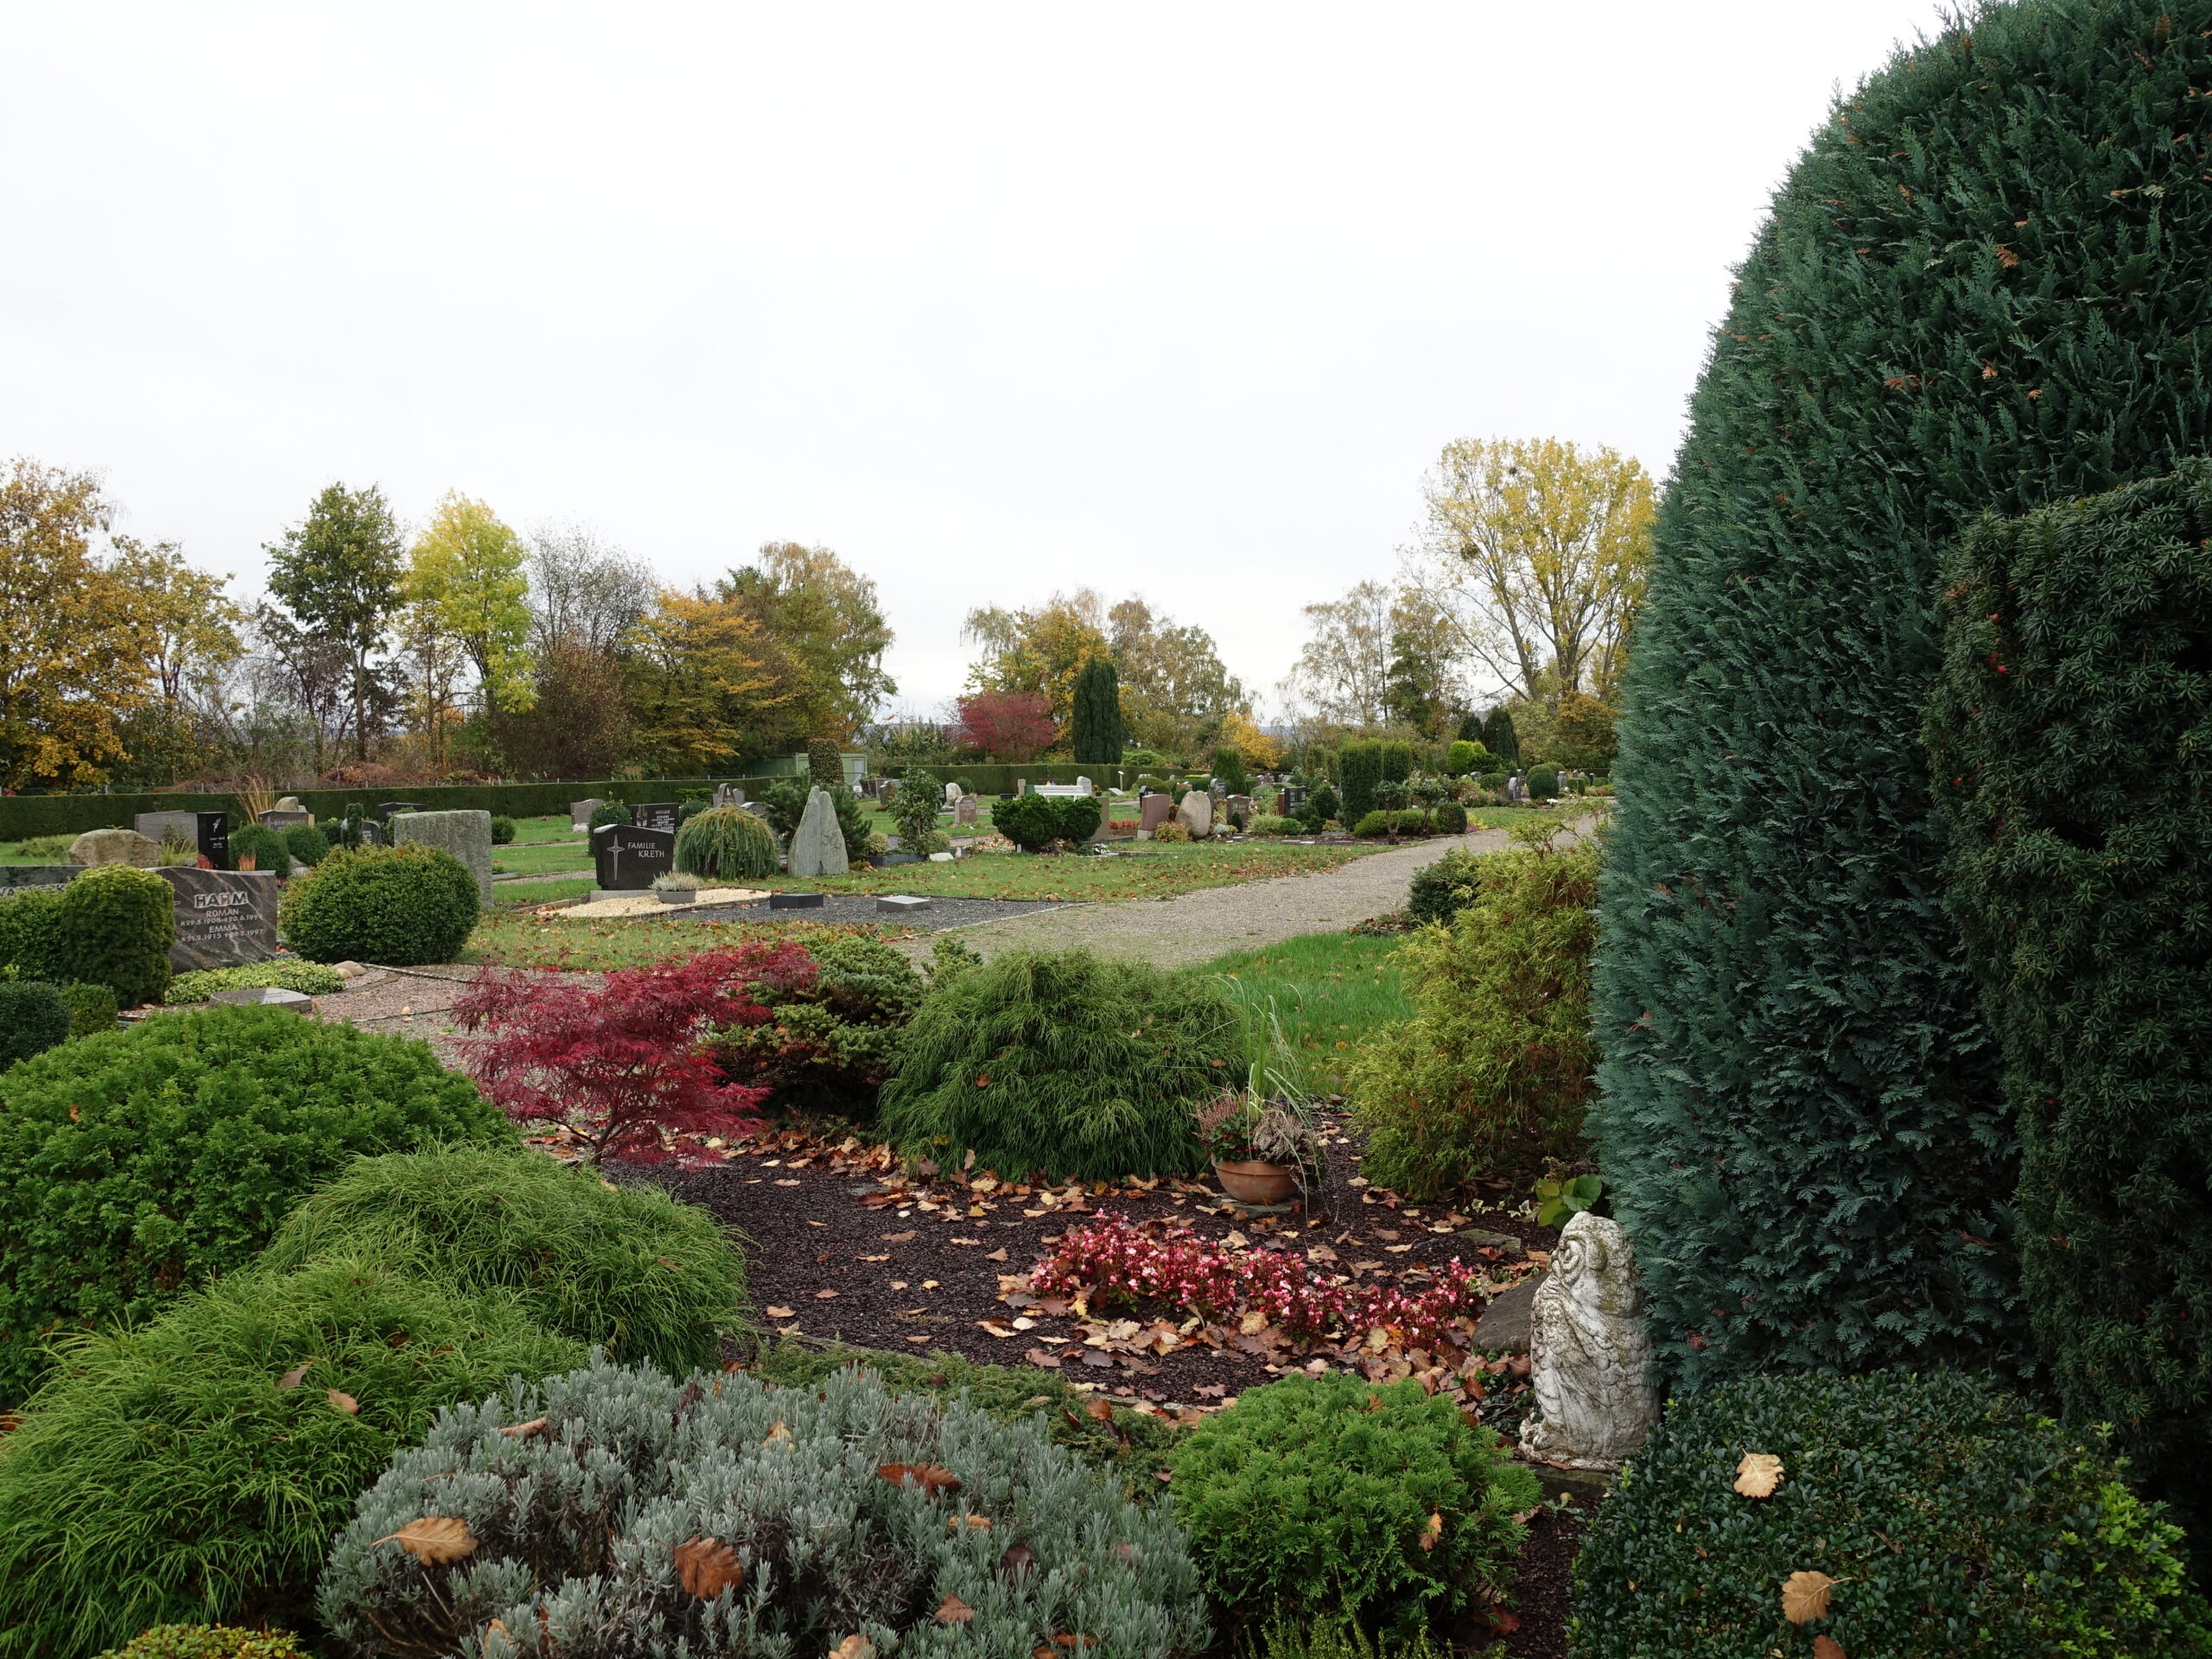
<point>191,632</point>
<point>1535,559</point>
<point>702,683</point>
<point>75,644</point>
<point>465,580</point>
<point>1042,650</point>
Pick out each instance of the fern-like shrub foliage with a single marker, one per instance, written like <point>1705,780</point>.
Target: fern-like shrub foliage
<point>626,1268</point>
<point>831,1038</point>
<point>192,1471</point>
<point>1491,1075</point>
<point>2069,733</point>
<point>1066,1063</point>
<point>1320,1495</point>
<point>739,1519</point>
<point>137,1165</point>
<point>1972,294</point>
<point>1953,1519</point>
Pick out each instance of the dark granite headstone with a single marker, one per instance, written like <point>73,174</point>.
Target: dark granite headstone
<point>626,858</point>
<point>1293,800</point>
<point>795,902</point>
<point>656,815</point>
<point>384,811</point>
<point>223,918</point>
<point>38,875</point>
<point>214,840</point>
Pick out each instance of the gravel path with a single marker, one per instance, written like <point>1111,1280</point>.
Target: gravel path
<point>1194,927</point>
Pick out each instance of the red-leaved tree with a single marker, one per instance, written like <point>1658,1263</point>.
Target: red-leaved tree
<point>1011,726</point>
<point>619,1064</point>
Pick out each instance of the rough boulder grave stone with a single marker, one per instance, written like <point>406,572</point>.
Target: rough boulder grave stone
<point>279,817</point>
<point>818,845</point>
<point>1588,1352</point>
<point>729,795</point>
<point>1197,814</point>
<point>225,919</point>
<point>97,847</point>
<point>466,834</point>
<point>626,859</point>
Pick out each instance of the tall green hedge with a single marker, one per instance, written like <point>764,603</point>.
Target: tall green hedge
<point>1359,769</point>
<point>1980,289</point>
<point>2067,734</point>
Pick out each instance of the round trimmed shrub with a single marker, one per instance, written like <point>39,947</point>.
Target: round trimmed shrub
<point>1955,1520</point>
<point>738,1518</point>
<point>725,843</point>
<point>92,1008</point>
<point>1031,821</point>
<point>1451,819</point>
<point>1079,1065</point>
<point>608,812</point>
<point>305,844</point>
<point>1316,1494</point>
<point>191,1470</point>
<point>308,978</point>
<point>114,926</point>
<point>1377,822</point>
<point>33,1019</point>
<point>139,1164</point>
<point>395,906</point>
<point>503,831</point>
<point>263,846</point>
<point>1543,783</point>
<point>627,1268</point>
<point>209,1641</point>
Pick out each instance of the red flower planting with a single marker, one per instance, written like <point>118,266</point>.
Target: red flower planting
<point>617,1066</point>
<point>1115,1261</point>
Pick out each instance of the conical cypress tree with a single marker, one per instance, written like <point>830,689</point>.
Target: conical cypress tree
<point>1980,289</point>
<point>1499,738</point>
<point>1096,723</point>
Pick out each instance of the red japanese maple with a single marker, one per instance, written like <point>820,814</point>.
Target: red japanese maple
<point>1011,726</point>
<point>619,1064</point>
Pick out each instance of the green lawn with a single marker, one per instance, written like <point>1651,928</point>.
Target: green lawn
<point>1144,870</point>
<point>1324,990</point>
<point>514,940</point>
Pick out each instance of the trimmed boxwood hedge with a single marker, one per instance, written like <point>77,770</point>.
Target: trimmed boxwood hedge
<point>396,907</point>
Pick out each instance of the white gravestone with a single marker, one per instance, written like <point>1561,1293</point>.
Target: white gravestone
<point>1589,1353</point>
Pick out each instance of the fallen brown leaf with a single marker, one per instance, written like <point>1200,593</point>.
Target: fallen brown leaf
<point>998,1255</point>
<point>825,1295</point>
<point>781,1312</point>
<point>931,1478</point>
<point>435,1540</point>
<point>707,1567</point>
<point>529,1431</point>
<point>1757,1474</point>
<point>854,1647</point>
<point>291,1378</point>
<point>953,1611</point>
<point>1805,1596</point>
<point>897,1238</point>
<point>1050,1360</point>
<point>1433,1531</point>
<point>343,1401</point>
<point>1827,1647</point>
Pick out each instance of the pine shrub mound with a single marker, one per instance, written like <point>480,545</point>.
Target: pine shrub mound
<point>725,843</point>
<point>1491,1076</point>
<point>1442,890</point>
<point>184,1473</point>
<point>1954,1520</point>
<point>503,830</point>
<point>1080,1066</point>
<point>113,926</point>
<point>627,1268</point>
<point>1972,294</point>
<point>831,1043</point>
<point>738,1518</point>
<point>2067,732</point>
<point>135,1165</point>
<point>92,1008</point>
<point>395,906</point>
<point>1033,821</point>
<point>309,978</point>
<point>1320,1495</point>
<point>33,1019</point>
<point>1359,770</point>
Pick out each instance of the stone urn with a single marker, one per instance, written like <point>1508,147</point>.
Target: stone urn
<point>1253,1181</point>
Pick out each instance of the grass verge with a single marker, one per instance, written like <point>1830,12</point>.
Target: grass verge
<point>1326,992</point>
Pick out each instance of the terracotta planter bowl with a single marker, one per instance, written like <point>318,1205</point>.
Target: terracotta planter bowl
<point>1250,1181</point>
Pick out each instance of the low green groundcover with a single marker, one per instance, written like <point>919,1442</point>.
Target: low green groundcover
<point>309,978</point>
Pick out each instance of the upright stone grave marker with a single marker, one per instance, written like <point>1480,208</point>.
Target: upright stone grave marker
<point>966,812</point>
<point>1153,812</point>
<point>162,826</point>
<point>213,831</point>
<point>657,815</point>
<point>626,858</point>
<point>579,812</point>
<point>818,845</point>
<point>466,834</point>
<point>390,810</point>
<point>223,918</point>
<point>729,795</point>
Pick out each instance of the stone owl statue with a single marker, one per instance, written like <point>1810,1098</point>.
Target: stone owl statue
<point>1588,1352</point>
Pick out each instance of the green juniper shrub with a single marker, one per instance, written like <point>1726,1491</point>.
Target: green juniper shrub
<point>1318,1495</point>
<point>1543,783</point>
<point>137,1164</point>
<point>1068,1063</point>
<point>33,1019</point>
<point>1801,1113</point>
<point>92,1008</point>
<point>627,1268</point>
<point>1450,818</point>
<point>192,1471</point>
<point>914,811</point>
<point>1383,823</point>
<point>256,846</point>
<point>1229,767</point>
<point>1269,824</point>
<point>304,843</point>
<point>1080,816</point>
<point>209,1642</point>
<point>2066,736</point>
<point>1322,806</point>
<point>1359,769</point>
<point>725,843</point>
<point>503,831</point>
<point>308,978</point>
<point>114,926</point>
<point>575,1526</point>
<point>824,765</point>
<point>1492,1073</point>
<point>1033,821</point>
<point>1954,1520</point>
<point>395,906</point>
<point>1442,890</point>
<point>1499,737</point>
<point>1096,728</point>
<point>608,812</point>
<point>830,1045</point>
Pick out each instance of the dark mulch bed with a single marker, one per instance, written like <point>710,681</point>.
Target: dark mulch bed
<point>843,1250</point>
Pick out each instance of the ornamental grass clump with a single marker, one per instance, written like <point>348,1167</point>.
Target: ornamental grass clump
<point>1492,1073</point>
<point>1320,1495</point>
<point>725,843</point>
<point>626,1268</point>
<point>197,1469</point>
<point>617,1511</point>
<point>137,1165</point>
<point>1070,1064</point>
<point>1903,1514</point>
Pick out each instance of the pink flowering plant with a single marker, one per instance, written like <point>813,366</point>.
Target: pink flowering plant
<point>1115,1261</point>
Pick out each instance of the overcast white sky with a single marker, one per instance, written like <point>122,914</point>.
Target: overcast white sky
<point>993,299</point>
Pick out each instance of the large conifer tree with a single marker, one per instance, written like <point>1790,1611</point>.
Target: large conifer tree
<point>1981,290</point>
